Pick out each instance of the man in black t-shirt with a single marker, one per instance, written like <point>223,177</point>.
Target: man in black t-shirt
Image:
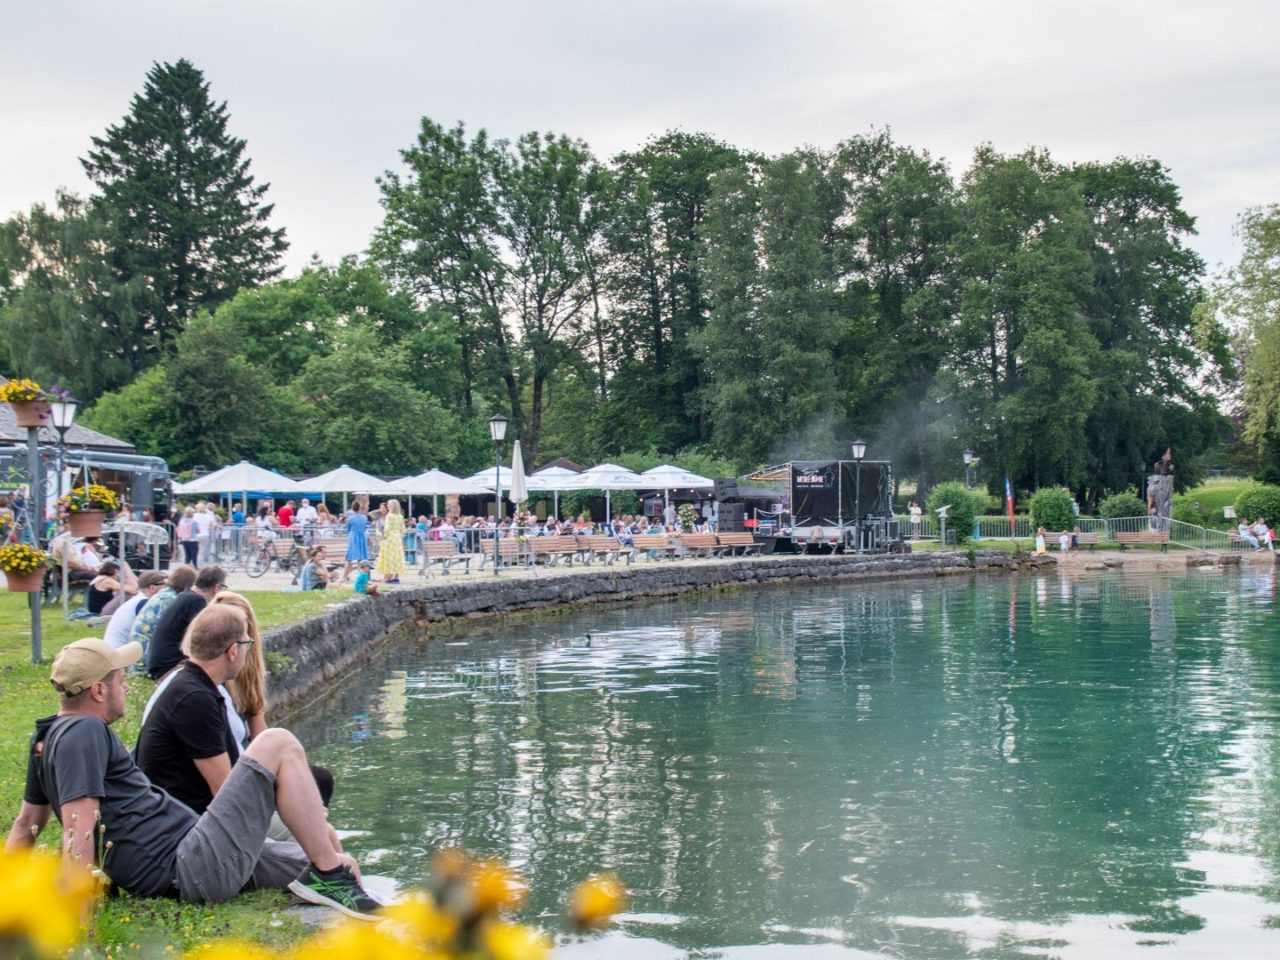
<point>153,845</point>
<point>165,650</point>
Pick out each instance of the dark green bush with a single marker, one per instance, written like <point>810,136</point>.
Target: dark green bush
<point>1121,505</point>
<point>1260,501</point>
<point>1051,509</point>
<point>964,504</point>
<point>1187,510</point>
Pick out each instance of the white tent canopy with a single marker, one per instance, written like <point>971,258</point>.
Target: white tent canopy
<point>435,483</point>
<point>484,478</point>
<point>670,477</point>
<point>239,478</point>
<point>550,478</point>
<point>607,477</point>
<point>347,479</point>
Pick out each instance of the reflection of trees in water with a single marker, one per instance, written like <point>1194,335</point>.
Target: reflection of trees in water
<point>836,757</point>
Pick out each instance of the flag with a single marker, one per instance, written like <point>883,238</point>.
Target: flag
<point>1008,502</point>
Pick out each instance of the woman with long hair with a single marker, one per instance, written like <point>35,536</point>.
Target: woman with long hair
<point>249,689</point>
<point>391,547</point>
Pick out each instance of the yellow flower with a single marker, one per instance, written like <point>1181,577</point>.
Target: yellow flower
<point>42,901</point>
<point>514,941</point>
<point>229,950</point>
<point>360,940</point>
<point>417,917</point>
<point>595,900</point>
<point>495,887</point>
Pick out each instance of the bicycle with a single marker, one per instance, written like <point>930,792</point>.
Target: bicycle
<point>265,553</point>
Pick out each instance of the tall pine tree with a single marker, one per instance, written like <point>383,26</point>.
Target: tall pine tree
<point>176,186</point>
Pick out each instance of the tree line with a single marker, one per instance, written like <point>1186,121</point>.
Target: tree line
<point>687,298</point>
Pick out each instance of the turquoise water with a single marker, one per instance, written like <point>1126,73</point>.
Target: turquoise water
<point>1001,767</point>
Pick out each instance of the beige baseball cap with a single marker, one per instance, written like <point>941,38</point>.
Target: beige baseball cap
<point>83,663</point>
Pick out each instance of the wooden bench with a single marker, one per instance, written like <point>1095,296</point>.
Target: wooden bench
<point>698,544</point>
<point>654,545</point>
<point>610,548</point>
<point>510,552</point>
<point>445,553</point>
<point>554,549</point>
<point>1089,540</point>
<point>729,542</point>
<point>1140,537</point>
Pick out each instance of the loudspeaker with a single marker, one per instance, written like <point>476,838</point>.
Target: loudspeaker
<point>731,517</point>
<point>726,488</point>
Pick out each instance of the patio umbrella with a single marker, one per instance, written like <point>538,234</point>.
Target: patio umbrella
<point>434,483</point>
<point>668,477</point>
<point>607,477</point>
<point>553,479</point>
<point>345,480</point>
<point>241,478</point>
<point>519,491</point>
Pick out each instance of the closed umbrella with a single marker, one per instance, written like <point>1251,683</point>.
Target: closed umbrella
<point>519,491</point>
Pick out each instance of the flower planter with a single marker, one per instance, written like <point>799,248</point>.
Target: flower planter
<point>25,582</point>
<point>86,523</point>
<point>30,413</point>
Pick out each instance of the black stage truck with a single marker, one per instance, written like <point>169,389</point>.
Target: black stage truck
<point>838,506</point>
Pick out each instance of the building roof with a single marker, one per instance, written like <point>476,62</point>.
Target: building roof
<point>77,436</point>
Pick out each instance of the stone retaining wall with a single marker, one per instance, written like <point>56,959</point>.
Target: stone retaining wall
<point>324,646</point>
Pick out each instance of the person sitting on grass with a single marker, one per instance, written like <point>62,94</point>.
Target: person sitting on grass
<point>148,843</point>
<point>122,621</point>
<point>315,573</point>
<point>363,583</point>
<point>180,578</point>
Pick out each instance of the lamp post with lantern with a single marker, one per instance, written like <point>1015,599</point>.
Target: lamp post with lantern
<point>497,432</point>
<point>970,462</point>
<point>859,449</point>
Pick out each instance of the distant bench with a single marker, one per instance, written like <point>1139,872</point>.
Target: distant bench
<point>1143,537</point>
<point>1089,540</point>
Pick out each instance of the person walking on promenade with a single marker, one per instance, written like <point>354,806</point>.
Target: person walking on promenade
<point>357,525</point>
<point>391,546</point>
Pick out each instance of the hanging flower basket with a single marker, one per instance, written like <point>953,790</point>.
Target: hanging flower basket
<point>30,413</point>
<point>86,523</point>
<point>24,582</point>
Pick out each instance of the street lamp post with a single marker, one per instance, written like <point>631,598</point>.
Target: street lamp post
<point>497,432</point>
<point>35,520</point>
<point>63,414</point>
<point>859,451</point>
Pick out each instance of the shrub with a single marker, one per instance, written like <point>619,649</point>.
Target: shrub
<point>1187,510</point>
<point>964,504</point>
<point>1122,505</point>
<point>1051,509</point>
<point>1260,501</point>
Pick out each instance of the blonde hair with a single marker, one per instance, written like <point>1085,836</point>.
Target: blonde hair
<point>249,689</point>
<point>393,506</point>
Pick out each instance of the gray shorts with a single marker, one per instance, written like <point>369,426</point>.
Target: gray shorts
<point>227,850</point>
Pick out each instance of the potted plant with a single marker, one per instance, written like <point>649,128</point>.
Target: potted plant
<point>23,566</point>
<point>86,508</point>
<point>29,402</point>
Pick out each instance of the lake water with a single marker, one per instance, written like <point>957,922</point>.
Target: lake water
<point>1002,767</point>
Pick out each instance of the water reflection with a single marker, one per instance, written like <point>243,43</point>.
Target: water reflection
<point>1057,765</point>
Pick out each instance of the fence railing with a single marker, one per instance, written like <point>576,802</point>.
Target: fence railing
<point>997,528</point>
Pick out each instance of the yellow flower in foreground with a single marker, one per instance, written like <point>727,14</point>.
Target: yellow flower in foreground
<point>418,919</point>
<point>595,900</point>
<point>496,887</point>
<point>361,940</point>
<point>43,902</point>
<point>230,950</point>
<point>513,941</point>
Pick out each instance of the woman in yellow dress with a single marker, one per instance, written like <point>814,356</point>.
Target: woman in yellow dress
<point>391,546</point>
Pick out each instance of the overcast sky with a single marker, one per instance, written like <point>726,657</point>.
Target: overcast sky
<point>327,93</point>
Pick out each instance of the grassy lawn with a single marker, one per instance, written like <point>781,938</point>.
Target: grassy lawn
<point>25,695</point>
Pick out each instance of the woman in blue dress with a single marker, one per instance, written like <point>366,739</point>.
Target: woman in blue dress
<point>357,539</point>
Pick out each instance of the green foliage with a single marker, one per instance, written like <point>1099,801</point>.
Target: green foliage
<point>1262,500</point>
<point>964,504</point>
<point>1187,509</point>
<point>176,186</point>
<point>1051,509</point>
<point>1122,505</point>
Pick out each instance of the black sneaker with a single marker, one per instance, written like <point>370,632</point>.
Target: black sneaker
<point>337,888</point>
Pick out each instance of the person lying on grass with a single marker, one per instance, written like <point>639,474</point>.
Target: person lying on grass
<point>150,844</point>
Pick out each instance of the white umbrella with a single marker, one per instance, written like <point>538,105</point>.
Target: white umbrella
<point>553,479</point>
<point>434,483</point>
<point>607,477</point>
<point>484,478</point>
<point>668,477</point>
<point>519,491</point>
<point>345,480</point>
<point>240,477</point>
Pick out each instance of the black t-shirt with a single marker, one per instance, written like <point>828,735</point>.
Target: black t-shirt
<point>188,722</point>
<point>78,756</point>
<point>165,650</point>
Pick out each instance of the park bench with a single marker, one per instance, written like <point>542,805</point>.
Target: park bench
<point>445,553</point>
<point>510,552</point>
<point>554,549</point>
<point>729,542</point>
<point>653,545</point>
<point>608,548</point>
<point>1089,540</point>
<point>698,544</point>
<point>1143,537</point>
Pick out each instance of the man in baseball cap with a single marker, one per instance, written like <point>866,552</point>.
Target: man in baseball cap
<point>153,845</point>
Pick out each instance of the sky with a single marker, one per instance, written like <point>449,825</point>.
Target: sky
<point>327,94</point>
